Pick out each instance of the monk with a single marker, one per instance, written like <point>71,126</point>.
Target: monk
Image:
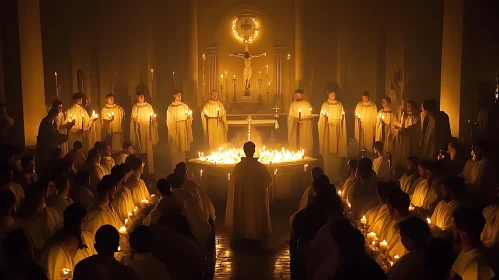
<point>61,124</point>
<point>350,181</point>
<point>436,130</point>
<point>48,138</point>
<point>398,207</point>
<point>453,193</point>
<point>408,181</point>
<point>300,124</point>
<point>144,129</point>
<point>214,119</point>
<point>407,141</point>
<point>135,184</point>
<point>80,130</point>
<point>363,196</point>
<point>365,123</point>
<point>248,209</point>
<point>381,165</point>
<point>179,123</point>
<point>332,135</point>
<point>386,124</point>
<point>112,116</point>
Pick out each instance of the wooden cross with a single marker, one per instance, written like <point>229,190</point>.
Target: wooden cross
<point>246,25</point>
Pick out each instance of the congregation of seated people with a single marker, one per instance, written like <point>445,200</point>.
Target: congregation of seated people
<point>62,220</point>
<point>436,219</point>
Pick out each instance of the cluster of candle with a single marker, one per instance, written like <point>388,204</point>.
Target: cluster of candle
<point>94,116</point>
<point>71,118</point>
<point>381,116</point>
<point>188,112</point>
<point>110,115</point>
<point>233,156</point>
<point>357,115</point>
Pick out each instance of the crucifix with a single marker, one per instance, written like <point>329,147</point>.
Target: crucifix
<point>246,56</point>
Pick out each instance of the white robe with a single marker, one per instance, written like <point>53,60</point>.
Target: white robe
<point>202,198</point>
<point>248,208</point>
<point>381,221</point>
<point>364,197</point>
<point>347,187</point>
<point>17,190</point>
<point>96,172</point>
<point>307,196</point>
<point>144,131</point>
<point>138,189</point>
<point>147,267</point>
<point>215,131</point>
<point>83,196</point>
<point>442,217</point>
<point>409,267</point>
<point>382,168</point>
<point>120,158</point>
<point>39,228</point>
<point>123,203</point>
<point>490,234</point>
<point>319,249</point>
<point>55,257</point>
<point>408,182</point>
<point>365,128</point>
<point>481,181</point>
<point>407,142</point>
<point>425,196</point>
<point>179,123</point>
<point>108,163</point>
<point>472,265</point>
<point>332,137</point>
<point>81,129</point>
<point>102,268</point>
<point>112,131</point>
<point>386,131</point>
<point>78,159</point>
<point>99,215</point>
<point>59,203</point>
<point>304,136</point>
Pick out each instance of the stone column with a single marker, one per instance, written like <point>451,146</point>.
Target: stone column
<point>452,39</point>
<point>23,57</point>
<point>299,64</point>
<point>192,95</point>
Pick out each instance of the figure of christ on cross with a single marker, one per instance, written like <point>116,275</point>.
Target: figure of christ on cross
<point>247,66</point>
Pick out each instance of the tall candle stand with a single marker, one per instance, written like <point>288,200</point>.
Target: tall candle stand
<point>260,89</point>
<point>202,78</point>
<point>234,85</point>
<point>56,86</point>
<point>152,82</point>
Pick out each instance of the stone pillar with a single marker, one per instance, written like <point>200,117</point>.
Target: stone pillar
<point>299,64</point>
<point>450,89</point>
<point>191,94</point>
<point>23,57</point>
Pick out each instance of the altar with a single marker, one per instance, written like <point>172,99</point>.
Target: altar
<point>263,120</point>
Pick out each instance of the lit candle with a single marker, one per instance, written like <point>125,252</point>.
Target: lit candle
<point>222,77</point>
<point>363,220</point>
<point>152,73</point>
<point>396,258</point>
<point>119,248</point>
<point>65,271</point>
<point>305,167</point>
<point>145,201</point>
<point>411,208</point>
<point>428,220</point>
<point>349,206</point>
<point>339,193</point>
<point>122,230</point>
<point>201,173</point>
<point>391,263</point>
<point>275,172</point>
<point>130,214</point>
<point>371,236</point>
<point>56,78</point>
<point>383,245</point>
<point>228,176</point>
<point>135,209</point>
<point>267,69</point>
<point>126,221</point>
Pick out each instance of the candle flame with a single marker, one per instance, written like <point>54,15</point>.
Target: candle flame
<point>233,156</point>
<point>428,220</point>
<point>65,271</point>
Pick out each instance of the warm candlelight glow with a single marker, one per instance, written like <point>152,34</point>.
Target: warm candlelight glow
<point>411,208</point>
<point>130,214</point>
<point>363,220</point>
<point>145,201</point>
<point>305,167</point>
<point>428,220</point>
<point>135,209</point>
<point>122,230</point>
<point>383,245</point>
<point>371,236</point>
<point>201,173</point>
<point>126,221</point>
<point>233,156</point>
<point>65,271</point>
<point>339,193</point>
<point>396,257</point>
<point>349,205</point>
<point>228,176</point>
<point>275,172</point>
<point>119,248</point>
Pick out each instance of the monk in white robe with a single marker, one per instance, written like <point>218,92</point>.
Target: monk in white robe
<point>365,123</point>
<point>363,196</point>
<point>300,124</point>
<point>381,165</point>
<point>82,123</point>
<point>407,141</point>
<point>214,119</point>
<point>61,124</point>
<point>409,180</point>
<point>77,156</point>
<point>332,136</point>
<point>436,131</point>
<point>411,265</point>
<point>102,213</point>
<point>121,157</point>
<point>6,176</point>
<point>248,209</point>
<point>38,222</point>
<point>196,191</point>
<point>95,169</point>
<point>69,245</point>
<point>308,194</point>
<point>490,234</point>
<point>107,161</point>
<point>144,129</point>
<point>427,192</point>
<point>135,184</point>
<point>351,180</point>
<point>103,265</point>
<point>453,193</point>
<point>179,123</point>
<point>62,200</point>
<point>471,263</point>
<point>479,176</point>
<point>112,116</point>
<point>80,190</point>
<point>386,126</point>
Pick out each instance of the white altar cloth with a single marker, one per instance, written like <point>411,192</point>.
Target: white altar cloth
<point>263,122</point>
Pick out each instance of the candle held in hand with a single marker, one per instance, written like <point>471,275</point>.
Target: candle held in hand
<point>383,245</point>
<point>428,220</point>
<point>122,230</point>
<point>363,220</point>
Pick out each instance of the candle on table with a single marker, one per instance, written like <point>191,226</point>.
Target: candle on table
<point>411,208</point>
<point>122,230</point>
<point>383,245</point>
<point>396,258</point>
<point>371,236</point>
<point>201,173</point>
<point>228,176</point>
<point>363,220</point>
<point>305,167</point>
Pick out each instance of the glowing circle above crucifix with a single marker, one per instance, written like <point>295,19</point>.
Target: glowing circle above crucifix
<point>246,29</point>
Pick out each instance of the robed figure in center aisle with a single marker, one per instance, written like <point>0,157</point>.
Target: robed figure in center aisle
<point>407,143</point>
<point>365,123</point>
<point>179,123</point>
<point>248,207</point>
<point>48,138</point>
<point>95,128</point>
<point>300,124</point>
<point>332,136</point>
<point>60,124</point>
<point>436,132</point>
<point>82,123</point>
<point>214,119</point>
<point>386,126</point>
<point>112,124</point>
<point>144,129</point>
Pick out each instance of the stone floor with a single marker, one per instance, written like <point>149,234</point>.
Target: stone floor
<point>251,261</point>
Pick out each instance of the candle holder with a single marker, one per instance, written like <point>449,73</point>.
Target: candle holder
<point>234,85</point>
<point>202,78</point>
<point>260,89</point>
